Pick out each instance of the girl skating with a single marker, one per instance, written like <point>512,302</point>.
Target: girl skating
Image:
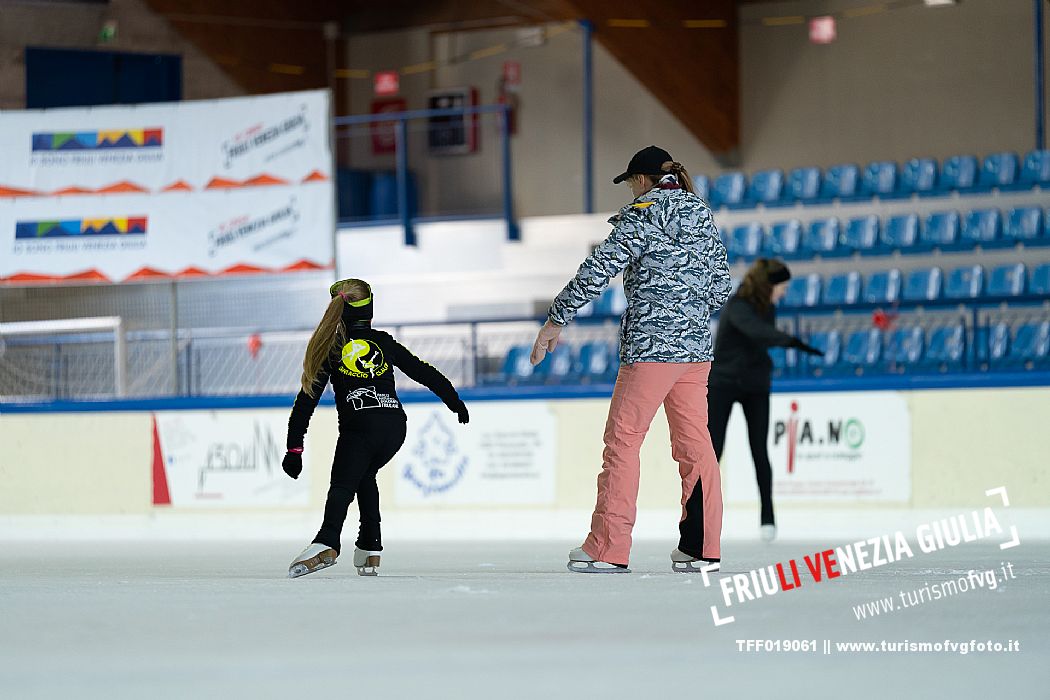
<point>359,362</point>
<point>675,276</point>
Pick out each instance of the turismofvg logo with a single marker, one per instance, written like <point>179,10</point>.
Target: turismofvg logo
<point>259,231</point>
<point>87,147</point>
<point>271,140</point>
<point>435,462</point>
<point>838,436</point>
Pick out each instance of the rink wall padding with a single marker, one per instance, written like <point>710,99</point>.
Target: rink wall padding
<point>531,459</point>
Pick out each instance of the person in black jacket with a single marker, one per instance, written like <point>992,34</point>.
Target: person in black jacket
<point>359,363</point>
<point>741,369</point>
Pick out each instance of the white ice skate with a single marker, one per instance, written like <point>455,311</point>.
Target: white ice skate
<point>682,563</point>
<point>367,562</point>
<point>313,558</point>
<point>581,563</point>
<point>768,533</point>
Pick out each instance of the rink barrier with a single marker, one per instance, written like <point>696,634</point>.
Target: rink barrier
<point>996,380</point>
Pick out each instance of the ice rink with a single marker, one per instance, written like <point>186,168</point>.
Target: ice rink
<point>479,620</point>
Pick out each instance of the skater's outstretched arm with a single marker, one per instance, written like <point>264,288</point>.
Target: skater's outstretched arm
<point>429,376</point>
<point>743,317</point>
<point>303,410</point>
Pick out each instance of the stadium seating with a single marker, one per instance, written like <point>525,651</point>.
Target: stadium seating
<point>923,284</point>
<point>1007,281</point>
<point>918,177</point>
<point>1023,224</point>
<point>597,363</point>
<point>946,347</point>
<point>982,226</point>
<point>905,345</point>
<point>861,234</point>
<point>840,182</point>
<point>766,187</point>
<point>966,282</point>
<point>843,289</point>
<point>883,287</point>
<point>901,232</point>
<point>728,190</point>
<point>828,341</point>
<point>821,237</point>
<point>803,185</point>
<point>999,171</point>
<point>863,349</point>
<point>783,240</point>
<point>1031,344</point>
<point>1035,171</point>
<point>1040,280</point>
<point>803,291</point>
<point>745,241</point>
<point>940,231</point>
<point>879,180</point>
<point>958,174</point>
<point>702,186</point>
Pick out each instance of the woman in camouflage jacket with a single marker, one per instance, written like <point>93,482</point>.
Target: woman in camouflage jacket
<point>675,276</point>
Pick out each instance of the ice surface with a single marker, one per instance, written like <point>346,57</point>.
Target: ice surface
<point>480,620</point>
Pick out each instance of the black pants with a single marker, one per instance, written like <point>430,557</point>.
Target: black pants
<point>360,453</point>
<point>720,400</point>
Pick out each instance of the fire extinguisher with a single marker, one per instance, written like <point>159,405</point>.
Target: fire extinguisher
<point>510,98</point>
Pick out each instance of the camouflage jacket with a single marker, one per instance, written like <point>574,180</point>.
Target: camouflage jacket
<point>675,275</point>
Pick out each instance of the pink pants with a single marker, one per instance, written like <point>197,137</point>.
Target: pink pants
<point>640,389</point>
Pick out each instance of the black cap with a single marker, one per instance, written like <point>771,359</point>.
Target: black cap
<point>645,162</point>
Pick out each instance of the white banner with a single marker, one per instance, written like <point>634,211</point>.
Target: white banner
<point>830,447</point>
<point>117,237</point>
<point>505,456</point>
<point>175,146</point>
<point>224,459</point>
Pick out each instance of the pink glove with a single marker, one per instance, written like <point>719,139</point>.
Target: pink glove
<point>546,341</point>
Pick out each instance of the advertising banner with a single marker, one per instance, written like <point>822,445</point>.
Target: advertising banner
<point>223,459</point>
<point>178,146</point>
<point>506,456</point>
<point>118,238</point>
<point>833,447</point>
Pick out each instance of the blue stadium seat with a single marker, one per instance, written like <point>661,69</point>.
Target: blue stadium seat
<point>558,367</point>
<point>905,345</point>
<point>982,226</point>
<point>941,230</point>
<point>946,347</point>
<point>923,284</point>
<point>1040,281</point>
<point>803,291</point>
<point>766,187</point>
<point>783,359</point>
<point>966,282</point>
<point>828,341</point>
<point>596,362</point>
<point>862,234</point>
<point>992,343</point>
<point>821,236</point>
<point>1024,224</point>
<point>883,287</point>
<point>728,190</point>
<point>901,232</point>
<point>843,289</point>
<point>1031,344</point>
<point>702,187</point>
<point>863,348</point>
<point>803,185</point>
<point>612,302</point>
<point>1007,281</point>
<point>918,176</point>
<point>744,241</point>
<point>999,171</point>
<point>1035,171</point>
<point>516,365</point>
<point>959,174</point>
<point>879,179</point>
<point>840,182</point>
<point>783,240</point>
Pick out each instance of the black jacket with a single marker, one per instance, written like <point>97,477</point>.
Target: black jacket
<point>744,335</point>
<point>362,377</point>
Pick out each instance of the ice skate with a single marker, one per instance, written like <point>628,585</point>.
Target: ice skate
<point>682,563</point>
<point>367,562</point>
<point>768,533</point>
<point>314,558</point>
<point>581,563</point>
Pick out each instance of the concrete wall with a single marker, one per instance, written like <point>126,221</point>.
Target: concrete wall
<point>62,25</point>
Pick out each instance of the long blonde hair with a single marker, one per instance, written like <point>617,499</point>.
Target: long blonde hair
<point>331,332</point>
<point>756,286</point>
<point>678,170</point>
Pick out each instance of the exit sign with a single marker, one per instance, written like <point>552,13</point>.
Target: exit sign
<point>387,82</point>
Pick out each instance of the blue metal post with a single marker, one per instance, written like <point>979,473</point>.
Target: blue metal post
<point>402,183</point>
<point>513,232</point>
<point>1040,86</point>
<point>588,118</point>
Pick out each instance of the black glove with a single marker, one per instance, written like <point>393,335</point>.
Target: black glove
<point>461,411</point>
<point>807,348</point>
<point>293,464</point>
